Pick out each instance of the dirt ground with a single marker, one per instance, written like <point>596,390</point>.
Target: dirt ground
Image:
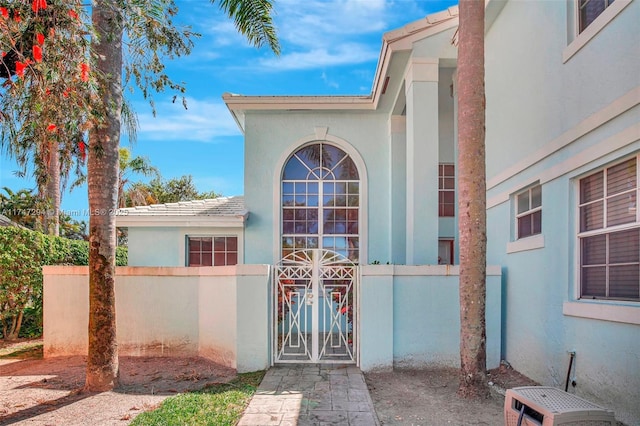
<point>428,397</point>
<point>49,391</point>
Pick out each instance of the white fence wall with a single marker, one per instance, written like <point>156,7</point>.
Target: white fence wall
<point>219,313</point>
<point>410,316</point>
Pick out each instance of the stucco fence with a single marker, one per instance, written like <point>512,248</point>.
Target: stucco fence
<point>409,315</point>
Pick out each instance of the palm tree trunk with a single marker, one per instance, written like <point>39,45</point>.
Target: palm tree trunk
<point>52,193</point>
<point>472,199</point>
<point>102,172</point>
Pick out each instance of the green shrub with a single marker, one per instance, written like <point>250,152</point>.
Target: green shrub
<point>22,254</point>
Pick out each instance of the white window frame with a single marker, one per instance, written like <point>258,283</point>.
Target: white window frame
<point>605,230</point>
<point>442,189</point>
<point>580,39</point>
<point>213,250</point>
<point>530,212</point>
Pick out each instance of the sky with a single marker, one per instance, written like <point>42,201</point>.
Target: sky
<point>328,47</point>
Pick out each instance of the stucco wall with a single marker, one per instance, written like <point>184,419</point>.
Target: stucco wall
<point>166,245</point>
<point>272,137</point>
<point>219,313</point>
<point>550,121</point>
<point>410,316</point>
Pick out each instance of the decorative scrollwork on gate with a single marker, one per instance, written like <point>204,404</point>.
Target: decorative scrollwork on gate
<point>315,307</point>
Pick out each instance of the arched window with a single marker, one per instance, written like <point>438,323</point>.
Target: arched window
<point>320,201</point>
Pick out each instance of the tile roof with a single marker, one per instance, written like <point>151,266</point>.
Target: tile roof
<point>221,206</point>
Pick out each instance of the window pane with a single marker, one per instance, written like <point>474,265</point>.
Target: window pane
<point>624,281</point>
<point>536,196</point>
<point>592,187</point>
<point>591,216</point>
<point>206,259</point>
<point>194,259</point>
<point>346,170</point>
<point>194,244</point>
<point>621,209</point>
<point>449,183</point>
<point>523,202</point>
<point>206,244</point>
<point>590,10</point>
<point>445,250</point>
<point>536,222</point>
<point>448,210</point>
<point>624,247</point>
<point>219,244</point>
<point>310,155</point>
<point>621,177</point>
<point>287,200</point>
<point>295,170</point>
<point>219,259</point>
<point>287,188</point>
<point>232,258</point>
<point>449,170</point>
<point>594,250</point>
<point>524,226</point>
<point>232,243</point>
<point>593,281</point>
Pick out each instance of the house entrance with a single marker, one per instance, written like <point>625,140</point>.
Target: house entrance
<point>315,308</point>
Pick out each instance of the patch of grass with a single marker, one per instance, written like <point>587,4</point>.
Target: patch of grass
<point>26,350</point>
<point>218,405</point>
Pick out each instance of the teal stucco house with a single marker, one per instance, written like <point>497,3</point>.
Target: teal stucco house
<point>344,246</point>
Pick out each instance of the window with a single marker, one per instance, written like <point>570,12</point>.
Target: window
<point>445,252</point>
<point>589,10</point>
<point>446,190</point>
<point>610,234</point>
<point>321,201</point>
<point>529,212</point>
<point>212,251</point>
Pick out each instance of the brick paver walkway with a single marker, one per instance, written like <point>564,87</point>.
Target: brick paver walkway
<point>311,394</point>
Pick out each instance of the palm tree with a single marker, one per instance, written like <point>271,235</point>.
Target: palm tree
<point>472,199</point>
<point>110,19</point>
<point>128,166</point>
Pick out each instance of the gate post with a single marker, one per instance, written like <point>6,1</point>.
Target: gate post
<point>252,317</point>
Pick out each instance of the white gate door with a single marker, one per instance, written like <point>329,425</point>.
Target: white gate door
<point>315,295</point>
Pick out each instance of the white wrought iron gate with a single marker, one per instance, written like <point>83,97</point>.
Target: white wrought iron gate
<point>315,308</point>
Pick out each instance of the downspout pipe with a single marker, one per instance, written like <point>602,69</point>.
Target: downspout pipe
<point>572,356</point>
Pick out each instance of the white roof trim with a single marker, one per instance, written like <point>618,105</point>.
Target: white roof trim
<point>391,42</point>
<point>182,221</point>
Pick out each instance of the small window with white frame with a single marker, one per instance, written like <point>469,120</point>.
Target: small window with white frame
<point>212,251</point>
<point>446,190</point>
<point>609,233</point>
<point>529,212</point>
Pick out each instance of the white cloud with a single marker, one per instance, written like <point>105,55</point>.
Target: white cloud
<point>328,81</point>
<point>345,54</point>
<point>312,33</point>
<point>203,121</point>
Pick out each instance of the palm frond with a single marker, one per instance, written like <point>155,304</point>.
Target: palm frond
<point>252,19</point>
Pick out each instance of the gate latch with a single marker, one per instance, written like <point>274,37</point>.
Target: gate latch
<point>309,299</point>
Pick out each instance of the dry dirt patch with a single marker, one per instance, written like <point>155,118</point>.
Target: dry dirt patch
<point>428,397</point>
<point>49,391</point>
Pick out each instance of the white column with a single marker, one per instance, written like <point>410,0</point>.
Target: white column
<point>398,188</point>
<point>421,87</point>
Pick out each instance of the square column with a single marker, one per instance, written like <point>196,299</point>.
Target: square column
<point>421,89</point>
<point>398,188</point>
